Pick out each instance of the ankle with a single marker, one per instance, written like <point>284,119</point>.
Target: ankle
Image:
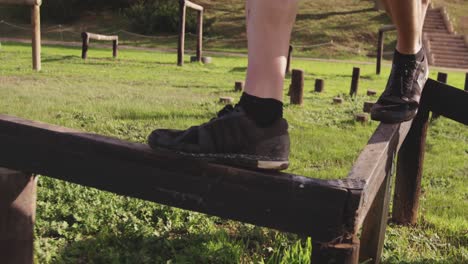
<point>263,111</point>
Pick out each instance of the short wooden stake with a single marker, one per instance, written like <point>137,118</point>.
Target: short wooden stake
<point>17,214</point>
<point>380,46</point>
<point>466,82</point>
<point>115,46</point>
<point>239,86</point>
<point>337,100</point>
<point>363,118</point>
<point>297,87</point>
<point>226,100</point>
<point>371,93</point>
<point>441,77</point>
<point>355,81</point>
<point>85,46</point>
<point>288,64</point>
<point>206,60</point>
<point>367,107</point>
<point>319,85</point>
<point>36,37</point>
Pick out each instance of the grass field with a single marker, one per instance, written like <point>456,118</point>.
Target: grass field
<point>130,96</point>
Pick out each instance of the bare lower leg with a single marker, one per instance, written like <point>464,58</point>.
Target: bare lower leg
<point>408,17</point>
<point>269,25</point>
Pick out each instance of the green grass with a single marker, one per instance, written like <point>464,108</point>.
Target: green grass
<point>130,96</point>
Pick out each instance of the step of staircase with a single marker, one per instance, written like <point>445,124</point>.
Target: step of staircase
<point>447,50</point>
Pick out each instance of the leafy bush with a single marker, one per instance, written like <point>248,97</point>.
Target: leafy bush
<point>162,16</point>
<point>63,11</point>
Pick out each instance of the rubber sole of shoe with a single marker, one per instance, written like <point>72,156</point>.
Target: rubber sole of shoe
<point>390,117</point>
<point>236,160</point>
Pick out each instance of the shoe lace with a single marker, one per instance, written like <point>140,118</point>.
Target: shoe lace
<point>405,74</point>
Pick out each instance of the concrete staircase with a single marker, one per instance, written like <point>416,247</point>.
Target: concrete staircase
<point>444,47</point>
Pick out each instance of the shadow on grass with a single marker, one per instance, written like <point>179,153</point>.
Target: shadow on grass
<point>132,115</point>
<point>335,13</point>
<point>179,248</point>
<point>60,58</point>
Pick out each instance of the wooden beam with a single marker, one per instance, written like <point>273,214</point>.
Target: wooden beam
<point>193,5</point>
<point>283,201</point>
<point>17,213</point>
<point>446,100</point>
<point>374,164</point>
<point>101,37</point>
<point>375,224</point>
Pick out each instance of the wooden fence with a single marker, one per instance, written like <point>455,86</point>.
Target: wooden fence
<point>183,4</point>
<point>331,211</point>
<point>36,28</point>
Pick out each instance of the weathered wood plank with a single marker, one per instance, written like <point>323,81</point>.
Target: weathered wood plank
<point>374,163</point>
<point>283,201</point>
<point>193,5</point>
<point>100,37</point>
<point>375,224</point>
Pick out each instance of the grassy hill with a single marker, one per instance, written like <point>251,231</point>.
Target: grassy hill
<point>324,28</point>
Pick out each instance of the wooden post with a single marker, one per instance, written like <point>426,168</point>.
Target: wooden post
<point>17,213</point>
<point>297,87</point>
<point>84,49</point>
<point>371,93</point>
<point>375,224</point>
<point>409,169</point>
<point>239,86</point>
<point>367,107</point>
<point>344,253</point>
<point>181,45</point>
<point>115,46</point>
<point>337,100</point>
<point>380,47</point>
<point>362,118</point>
<point>441,77</point>
<point>319,85</point>
<point>288,63</point>
<point>466,82</point>
<point>355,81</point>
<point>36,36</point>
<point>199,35</point>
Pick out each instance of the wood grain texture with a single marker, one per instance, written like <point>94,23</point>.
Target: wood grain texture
<point>374,163</point>
<point>283,201</point>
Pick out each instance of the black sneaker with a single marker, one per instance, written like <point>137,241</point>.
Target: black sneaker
<point>230,138</point>
<point>400,100</point>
